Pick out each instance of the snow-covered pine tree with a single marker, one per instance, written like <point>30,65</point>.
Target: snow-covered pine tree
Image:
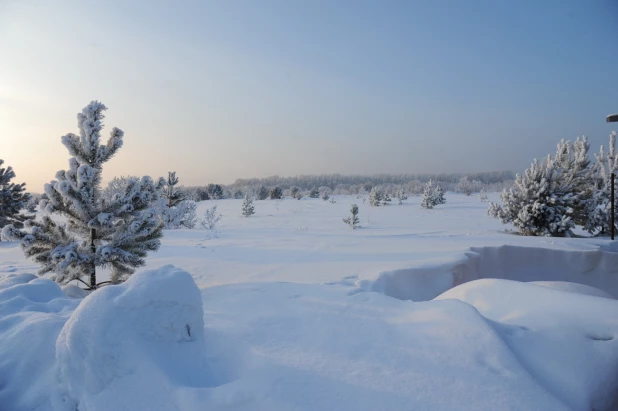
<point>294,191</point>
<point>238,194</point>
<point>276,193</point>
<point>401,196</point>
<point>325,196</point>
<point>262,193</point>
<point>598,205</point>
<point>375,197</point>
<point>438,196</point>
<point>117,235</point>
<point>575,168</point>
<point>13,198</point>
<point>483,195</point>
<point>541,201</point>
<point>211,218</point>
<point>247,206</point>
<point>353,220</point>
<point>314,193</point>
<point>427,201</point>
<point>386,199</point>
<point>171,194</point>
<point>215,191</point>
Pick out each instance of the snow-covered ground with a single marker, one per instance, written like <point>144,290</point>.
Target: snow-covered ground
<point>299,312</point>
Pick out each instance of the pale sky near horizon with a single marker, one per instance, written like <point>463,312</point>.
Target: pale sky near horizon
<point>219,90</point>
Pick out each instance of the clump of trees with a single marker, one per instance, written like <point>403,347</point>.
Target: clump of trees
<point>433,195</point>
<point>13,198</point>
<point>561,191</point>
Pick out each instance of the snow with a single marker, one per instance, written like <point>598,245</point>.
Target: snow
<point>289,309</point>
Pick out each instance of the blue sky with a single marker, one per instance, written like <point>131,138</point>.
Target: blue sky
<point>228,89</point>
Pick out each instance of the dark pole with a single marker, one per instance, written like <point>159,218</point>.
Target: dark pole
<point>93,275</point>
<point>612,196</point>
<point>611,119</point>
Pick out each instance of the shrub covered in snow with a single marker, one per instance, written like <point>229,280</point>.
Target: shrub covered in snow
<point>118,234</point>
<point>432,195</point>
<point>375,197</point>
<point>211,218</point>
<point>248,208</point>
<point>276,193</point>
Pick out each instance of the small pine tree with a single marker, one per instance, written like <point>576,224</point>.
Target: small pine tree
<point>465,186</point>
<point>353,220</point>
<point>13,198</point>
<point>215,191</point>
<point>211,218</point>
<point>170,193</point>
<point>91,234</point>
<point>438,195</point>
<point>247,207</point>
<point>325,196</point>
<point>276,193</point>
<point>432,196</point>
<point>238,194</point>
<point>482,195</point>
<point>598,205</point>
<point>262,193</point>
<point>401,196</point>
<point>294,192</point>
<point>314,193</point>
<point>375,197</point>
<point>386,199</point>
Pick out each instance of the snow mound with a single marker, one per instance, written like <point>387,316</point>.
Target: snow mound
<point>573,288</point>
<point>126,346</point>
<point>567,340</point>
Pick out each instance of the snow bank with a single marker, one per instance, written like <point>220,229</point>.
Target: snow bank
<point>566,340</point>
<point>593,268</point>
<point>123,347</point>
<point>126,346</point>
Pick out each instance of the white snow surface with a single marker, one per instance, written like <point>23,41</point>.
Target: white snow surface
<point>290,309</point>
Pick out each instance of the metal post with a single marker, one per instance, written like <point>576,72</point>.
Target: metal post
<point>612,201</point>
<point>93,275</point>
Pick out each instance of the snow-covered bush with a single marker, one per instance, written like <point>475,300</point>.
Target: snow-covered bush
<point>117,235</point>
<point>211,218</point>
<point>248,208</point>
<point>465,186</point>
<point>375,197</point>
<point>13,198</point>
<point>181,215</point>
<point>314,193</point>
<point>386,199</point>
<point>294,191</point>
<point>353,220</point>
<point>432,195</point>
<point>215,191</point>
<point>171,194</point>
<point>401,196</point>
<point>325,196</point>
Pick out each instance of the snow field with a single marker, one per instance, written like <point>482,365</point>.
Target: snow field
<point>290,321</point>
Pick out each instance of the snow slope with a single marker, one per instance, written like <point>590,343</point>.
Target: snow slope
<point>292,319</point>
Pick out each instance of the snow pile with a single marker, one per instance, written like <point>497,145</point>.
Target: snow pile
<point>124,347</point>
<point>566,339</point>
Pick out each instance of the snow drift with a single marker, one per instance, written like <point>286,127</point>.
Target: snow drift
<point>594,268</point>
<point>125,347</point>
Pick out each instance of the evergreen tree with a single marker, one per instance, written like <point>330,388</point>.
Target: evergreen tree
<point>482,195</point>
<point>438,196</point>
<point>427,201</point>
<point>465,186</point>
<point>117,235</point>
<point>598,206</point>
<point>13,198</point>
<point>202,194</point>
<point>375,197</point>
<point>541,201</point>
<point>401,196</point>
<point>262,193</point>
<point>325,196</point>
<point>276,193</point>
<point>247,207</point>
<point>170,193</point>
<point>314,193</point>
<point>238,194</point>
<point>294,192</point>
<point>353,220</point>
<point>215,191</point>
<point>211,218</point>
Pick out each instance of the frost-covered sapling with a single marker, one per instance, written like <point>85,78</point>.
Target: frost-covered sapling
<point>386,199</point>
<point>325,196</point>
<point>314,193</point>
<point>465,186</point>
<point>353,220</point>
<point>247,206</point>
<point>13,198</point>
<point>332,200</point>
<point>115,235</point>
<point>176,211</point>
<point>401,196</point>
<point>211,218</point>
<point>375,197</point>
<point>432,195</point>
<point>483,195</point>
<point>294,192</point>
<point>262,193</point>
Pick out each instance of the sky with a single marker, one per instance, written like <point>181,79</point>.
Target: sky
<point>220,90</point>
